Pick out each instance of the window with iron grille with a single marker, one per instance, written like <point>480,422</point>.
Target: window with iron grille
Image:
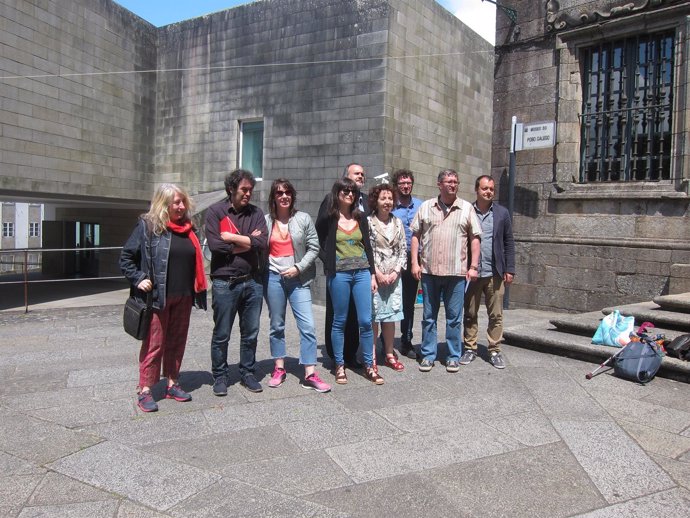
<point>627,109</point>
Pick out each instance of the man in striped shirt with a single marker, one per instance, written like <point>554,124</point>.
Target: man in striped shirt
<point>445,231</point>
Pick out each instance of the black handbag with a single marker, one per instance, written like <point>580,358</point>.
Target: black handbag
<point>136,318</point>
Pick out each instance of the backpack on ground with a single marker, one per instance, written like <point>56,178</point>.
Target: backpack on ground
<point>639,360</point>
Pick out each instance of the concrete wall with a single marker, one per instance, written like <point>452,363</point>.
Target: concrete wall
<point>67,126</point>
<point>439,106</point>
<point>584,246</point>
<point>317,116</point>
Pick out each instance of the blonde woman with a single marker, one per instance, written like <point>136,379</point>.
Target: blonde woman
<point>163,255</point>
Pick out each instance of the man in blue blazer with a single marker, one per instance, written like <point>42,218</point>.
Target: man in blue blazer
<point>496,270</point>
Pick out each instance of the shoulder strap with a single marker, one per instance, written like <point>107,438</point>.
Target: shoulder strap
<point>147,240</point>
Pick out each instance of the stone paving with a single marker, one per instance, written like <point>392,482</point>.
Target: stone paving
<point>535,439</point>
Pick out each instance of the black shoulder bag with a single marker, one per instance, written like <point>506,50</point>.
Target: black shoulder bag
<point>137,316</point>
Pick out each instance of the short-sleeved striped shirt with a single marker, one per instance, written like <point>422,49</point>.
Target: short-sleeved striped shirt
<point>443,239</point>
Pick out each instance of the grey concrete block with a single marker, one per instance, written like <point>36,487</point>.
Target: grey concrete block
<point>404,392</point>
<point>233,498</point>
<point>504,485</point>
<point>87,413</point>
<point>221,450</point>
<point>57,489</point>
<point>529,428</point>
<point>15,491</point>
<point>342,428</point>
<point>129,509</point>
<point>145,430</point>
<point>85,378</point>
<point>264,413</point>
<point>301,475</point>
<point>674,502</point>
<point>11,466</point>
<point>620,473</point>
<point>142,477</point>
<point>653,440</point>
<point>413,452</point>
<point>35,440</point>
<point>637,411</point>
<point>77,510</point>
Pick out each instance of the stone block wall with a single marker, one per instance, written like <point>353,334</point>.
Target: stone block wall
<point>583,246</point>
<point>69,126</point>
<point>313,71</point>
<point>439,97</point>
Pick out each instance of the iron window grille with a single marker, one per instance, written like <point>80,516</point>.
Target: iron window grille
<point>627,109</point>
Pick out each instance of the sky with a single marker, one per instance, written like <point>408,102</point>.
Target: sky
<point>477,14</point>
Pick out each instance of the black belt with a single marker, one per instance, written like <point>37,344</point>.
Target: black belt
<point>234,280</point>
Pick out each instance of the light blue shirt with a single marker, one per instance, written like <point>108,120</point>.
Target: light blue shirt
<point>406,214</point>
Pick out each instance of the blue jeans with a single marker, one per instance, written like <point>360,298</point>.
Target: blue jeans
<point>358,284</point>
<point>244,298</point>
<point>278,291</point>
<point>452,288</point>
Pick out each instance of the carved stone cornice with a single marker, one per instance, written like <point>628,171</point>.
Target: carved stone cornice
<point>557,20</point>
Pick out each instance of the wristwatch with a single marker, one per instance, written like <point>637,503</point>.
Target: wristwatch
<point>472,267</point>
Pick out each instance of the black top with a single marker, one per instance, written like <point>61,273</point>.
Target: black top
<point>224,261</point>
<point>181,265</point>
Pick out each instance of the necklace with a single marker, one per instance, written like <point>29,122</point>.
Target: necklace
<point>283,231</point>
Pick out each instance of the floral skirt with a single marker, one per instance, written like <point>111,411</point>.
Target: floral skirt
<point>387,306</point>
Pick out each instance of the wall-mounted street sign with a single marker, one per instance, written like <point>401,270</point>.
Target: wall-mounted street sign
<point>536,135</point>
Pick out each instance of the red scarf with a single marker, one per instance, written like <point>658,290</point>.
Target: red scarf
<point>200,274</point>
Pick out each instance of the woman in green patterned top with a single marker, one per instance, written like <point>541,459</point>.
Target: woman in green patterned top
<point>349,265</point>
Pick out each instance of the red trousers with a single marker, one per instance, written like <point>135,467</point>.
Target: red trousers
<point>165,342</point>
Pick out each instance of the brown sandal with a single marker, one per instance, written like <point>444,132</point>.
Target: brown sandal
<point>340,376</point>
<point>372,375</point>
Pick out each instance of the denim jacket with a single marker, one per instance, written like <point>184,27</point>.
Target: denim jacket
<point>134,263</point>
<point>305,243</point>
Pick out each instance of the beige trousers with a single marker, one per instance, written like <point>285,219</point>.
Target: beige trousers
<point>492,288</point>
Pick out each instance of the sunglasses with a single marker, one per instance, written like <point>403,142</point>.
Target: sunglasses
<point>347,191</point>
<point>282,193</point>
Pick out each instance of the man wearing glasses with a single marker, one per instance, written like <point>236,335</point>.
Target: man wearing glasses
<point>441,232</point>
<point>406,208</point>
<point>356,173</point>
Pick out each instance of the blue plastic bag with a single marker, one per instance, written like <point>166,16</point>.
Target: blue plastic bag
<point>614,330</point>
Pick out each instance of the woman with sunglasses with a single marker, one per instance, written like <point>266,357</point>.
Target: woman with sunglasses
<point>349,265</point>
<point>293,247</point>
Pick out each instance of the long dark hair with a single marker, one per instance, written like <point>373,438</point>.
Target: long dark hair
<point>281,182</point>
<point>339,185</point>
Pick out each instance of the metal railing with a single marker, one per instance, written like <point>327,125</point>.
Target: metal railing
<point>85,265</point>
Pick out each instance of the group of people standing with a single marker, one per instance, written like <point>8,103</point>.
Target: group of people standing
<point>375,250</point>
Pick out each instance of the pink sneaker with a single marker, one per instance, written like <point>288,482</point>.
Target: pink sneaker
<point>313,382</point>
<point>277,378</point>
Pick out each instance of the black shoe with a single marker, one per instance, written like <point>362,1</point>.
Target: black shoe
<point>220,386</point>
<point>249,382</point>
<point>407,349</point>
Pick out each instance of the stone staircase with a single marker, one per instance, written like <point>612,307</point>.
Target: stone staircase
<point>571,335</point>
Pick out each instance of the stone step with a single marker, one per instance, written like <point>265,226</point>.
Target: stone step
<point>651,312</point>
<point>541,336</point>
<point>679,302</point>
<point>585,324</point>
